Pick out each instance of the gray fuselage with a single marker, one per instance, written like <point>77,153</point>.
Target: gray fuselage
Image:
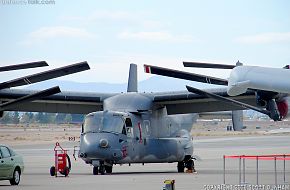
<point>134,131</point>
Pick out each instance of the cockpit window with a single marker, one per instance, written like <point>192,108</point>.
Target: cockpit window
<point>104,122</point>
<point>128,122</point>
<point>113,124</point>
<point>93,123</point>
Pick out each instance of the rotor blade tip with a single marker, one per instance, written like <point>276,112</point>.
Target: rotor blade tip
<point>190,89</point>
<point>147,69</point>
<point>85,62</point>
<point>57,88</point>
<point>44,63</point>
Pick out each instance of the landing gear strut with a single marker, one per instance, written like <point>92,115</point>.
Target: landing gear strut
<point>180,167</point>
<point>96,170</point>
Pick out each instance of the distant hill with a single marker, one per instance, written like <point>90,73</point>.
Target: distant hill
<point>153,84</point>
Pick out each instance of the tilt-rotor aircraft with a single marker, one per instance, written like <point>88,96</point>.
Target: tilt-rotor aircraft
<point>270,85</point>
<point>123,128</point>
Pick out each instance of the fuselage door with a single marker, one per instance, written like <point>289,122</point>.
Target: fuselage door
<point>129,127</point>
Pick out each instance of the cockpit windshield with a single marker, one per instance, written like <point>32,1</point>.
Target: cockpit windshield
<point>104,122</point>
<point>93,123</point>
<point>113,124</point>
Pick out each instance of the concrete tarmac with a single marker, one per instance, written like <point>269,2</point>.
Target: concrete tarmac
<point>209,151</point>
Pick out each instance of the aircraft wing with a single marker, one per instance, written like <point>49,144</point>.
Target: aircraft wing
<point>63,102</point>
<point>185,102</point>
<point>47,100</point>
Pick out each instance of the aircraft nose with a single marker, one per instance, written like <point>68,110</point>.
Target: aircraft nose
<point>100,146</point>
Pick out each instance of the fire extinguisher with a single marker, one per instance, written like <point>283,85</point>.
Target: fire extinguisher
<point>62,162</point>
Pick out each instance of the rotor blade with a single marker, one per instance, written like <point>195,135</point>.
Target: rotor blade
<point>227,100</point>
<point>207,65</point>
<point>184,75</point>
<point>29,98</point>
<point>46,75</point>
<point>23,66</point>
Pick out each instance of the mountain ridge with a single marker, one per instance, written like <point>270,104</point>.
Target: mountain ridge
<point>152,84</point>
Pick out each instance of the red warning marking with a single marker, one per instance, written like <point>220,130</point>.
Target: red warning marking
<point>140,133</point>
<point>147,69</point>
<point>124,151</point>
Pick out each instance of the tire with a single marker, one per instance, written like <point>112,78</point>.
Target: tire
<point>189,164</point>
<point>96,170</point>
<point>180,167</point>
<point>102,170</point>
<point>52,171</point>
<point>109,169</point>
<point>16,177</point>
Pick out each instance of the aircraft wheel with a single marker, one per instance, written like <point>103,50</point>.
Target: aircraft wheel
<point>109,169</point>
<point>180,167</point>
<point>189,164</point>
<point>16,177</point>
<point>96,170</point>
<point>102,170</point>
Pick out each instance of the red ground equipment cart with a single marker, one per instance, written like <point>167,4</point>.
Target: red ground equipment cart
<point>62,161</point>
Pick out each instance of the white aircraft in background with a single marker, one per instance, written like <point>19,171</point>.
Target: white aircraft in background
<point>270,85</point>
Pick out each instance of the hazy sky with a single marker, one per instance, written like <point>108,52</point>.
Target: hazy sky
<point>111,34</point>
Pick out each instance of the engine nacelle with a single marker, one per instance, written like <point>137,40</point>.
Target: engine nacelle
<point>261,78</point>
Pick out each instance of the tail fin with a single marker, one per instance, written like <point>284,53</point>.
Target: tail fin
<point>132,81</point>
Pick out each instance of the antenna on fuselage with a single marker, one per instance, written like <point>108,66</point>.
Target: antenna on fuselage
<point>132,80</point>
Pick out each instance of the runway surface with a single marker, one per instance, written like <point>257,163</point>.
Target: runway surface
<point>210,150</point>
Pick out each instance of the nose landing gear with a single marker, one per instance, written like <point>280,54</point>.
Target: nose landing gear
<point>102,169</point>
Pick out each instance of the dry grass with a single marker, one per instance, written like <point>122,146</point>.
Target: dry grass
<point>13,135</point>
<point>226,133</point>
<point>34,134</point>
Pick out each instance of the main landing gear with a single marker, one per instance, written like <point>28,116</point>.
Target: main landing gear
<point>102,169</point>
<point>187,163</point>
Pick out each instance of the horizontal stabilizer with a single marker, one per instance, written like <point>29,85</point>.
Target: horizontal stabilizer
<point>208,65</point>
<point>29,98</point>
<point>226,100</point>
<point>46,75</point>
<point>184,75</point>
<point>23,66</point>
